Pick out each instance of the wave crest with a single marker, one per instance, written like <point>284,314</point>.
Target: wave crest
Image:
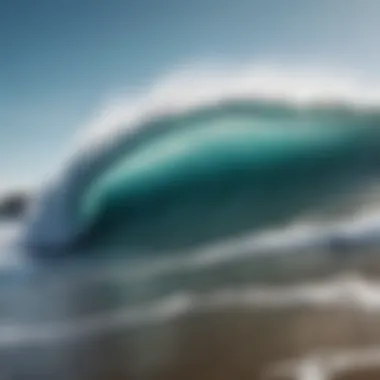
<point>276,160</point>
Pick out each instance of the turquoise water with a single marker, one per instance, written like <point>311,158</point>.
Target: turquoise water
<point>217,174</point>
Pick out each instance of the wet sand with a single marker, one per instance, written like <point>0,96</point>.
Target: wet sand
<point>222,345</point>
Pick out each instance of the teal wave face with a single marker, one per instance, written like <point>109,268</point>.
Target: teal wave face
<point>220,174</point>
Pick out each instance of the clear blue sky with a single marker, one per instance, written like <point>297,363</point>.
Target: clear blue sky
<point>59,59</point>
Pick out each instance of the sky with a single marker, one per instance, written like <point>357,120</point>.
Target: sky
<point>60,60</point>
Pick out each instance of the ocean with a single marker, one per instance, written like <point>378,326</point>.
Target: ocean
<point>224,235</point>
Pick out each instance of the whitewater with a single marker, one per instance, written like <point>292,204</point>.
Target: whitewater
<point>244,195</point>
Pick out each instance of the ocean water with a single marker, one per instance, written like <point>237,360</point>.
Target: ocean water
<point>233,235</point>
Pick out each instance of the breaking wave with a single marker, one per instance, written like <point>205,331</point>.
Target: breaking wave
<point>198,161</point>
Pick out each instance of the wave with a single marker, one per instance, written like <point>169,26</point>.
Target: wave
<point>194,164</point>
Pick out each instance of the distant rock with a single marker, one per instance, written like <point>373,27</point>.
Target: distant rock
<point>13,205</point>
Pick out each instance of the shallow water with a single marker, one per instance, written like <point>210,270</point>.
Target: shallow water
<point>248,315</point>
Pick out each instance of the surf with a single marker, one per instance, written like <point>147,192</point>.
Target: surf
<point>180,174</point>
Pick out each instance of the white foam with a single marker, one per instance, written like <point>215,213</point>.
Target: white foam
<point>194,86</point>
<point>339,292</point>
<point>327,365</point>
